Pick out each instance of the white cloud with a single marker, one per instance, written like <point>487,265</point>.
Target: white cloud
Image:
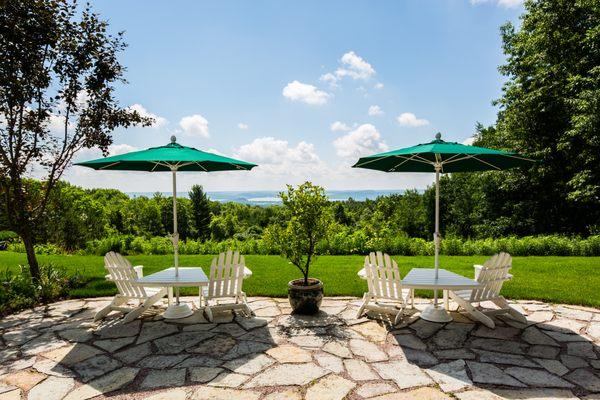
<point>242,126</point>
<point>471,139</point>
<point>502,3</point>
<point>113,150</point>
<point>362,141</point>
<point>276,151</point>
<point>353,66</point>
<point>215,151</point>
<point>116,149</point>
<point>56,124</point>
<point>329,78</point>
<point>375,110</point>
<point>410,119</point>
<point>159,122</point>
<point>309,94</point>
<point>194,125</point>
<point>378,85</point>
<point>338,126</point>
<point>280,163</point>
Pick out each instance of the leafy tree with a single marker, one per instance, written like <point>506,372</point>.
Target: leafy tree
<point>339,214</point>
<point>166,210</point>
<point>550,109</point>
<point>307,218</point>
<point>224,226</point>
<point>411,217</point>
<point>200,212</point>
<point>58,71</point>
<point>74,217</point>
<point>142,216</point>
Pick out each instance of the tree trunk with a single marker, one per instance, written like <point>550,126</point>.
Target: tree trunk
<point>34,267</point>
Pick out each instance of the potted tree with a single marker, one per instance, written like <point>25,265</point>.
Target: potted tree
<point>307,218</point>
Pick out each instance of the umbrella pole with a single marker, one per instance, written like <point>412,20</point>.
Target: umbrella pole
<point>436,234</point>
<point>177,310</point>
<point>434,312</point>
<point>175,233</point>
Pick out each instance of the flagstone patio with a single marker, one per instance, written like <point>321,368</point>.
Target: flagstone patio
<point>58,352</point>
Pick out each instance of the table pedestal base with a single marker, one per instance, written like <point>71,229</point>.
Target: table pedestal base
<point>435,314</point>
<point>176,311</point>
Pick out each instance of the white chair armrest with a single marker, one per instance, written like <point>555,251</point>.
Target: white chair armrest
<point>509,277</point>
<point>108,277</point>
<point>477,269</point>
<point>362,274</point>
<point>139,270</point>
<point>247,272</point>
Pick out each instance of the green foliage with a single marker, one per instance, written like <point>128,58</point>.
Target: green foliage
<point>308,218</point>
<point>59,68</point>
<point>18,292</point>
<point>550,109</point>
<point>200,212</point>
<point>8,235</point>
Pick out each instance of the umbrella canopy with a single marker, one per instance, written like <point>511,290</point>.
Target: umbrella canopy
<point>441,157</point>
<point>171,157</point>
<point>166,158</point>
<point>448,156</point>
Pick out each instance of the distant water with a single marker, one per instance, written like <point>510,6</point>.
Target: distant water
<point>268,197</point>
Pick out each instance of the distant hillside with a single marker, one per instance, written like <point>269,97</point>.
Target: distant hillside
<point>267,197</point>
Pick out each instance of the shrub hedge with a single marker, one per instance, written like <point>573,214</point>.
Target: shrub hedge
<point>340,244</point>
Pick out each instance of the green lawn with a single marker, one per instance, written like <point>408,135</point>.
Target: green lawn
<point>572,280</point>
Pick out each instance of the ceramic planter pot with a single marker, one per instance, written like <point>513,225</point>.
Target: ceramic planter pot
<point>305,299</point>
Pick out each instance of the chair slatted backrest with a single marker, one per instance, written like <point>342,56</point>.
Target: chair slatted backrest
<point>492,276</point>
<point>226,275</point>
<point>123,275</point>
<point>383,276</point>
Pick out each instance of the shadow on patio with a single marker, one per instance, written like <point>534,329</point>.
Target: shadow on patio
<point>58,352</point>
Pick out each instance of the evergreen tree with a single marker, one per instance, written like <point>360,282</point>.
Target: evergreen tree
<point>200,212</point>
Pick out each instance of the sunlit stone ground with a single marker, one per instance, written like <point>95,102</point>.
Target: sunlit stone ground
<point>58,352</point>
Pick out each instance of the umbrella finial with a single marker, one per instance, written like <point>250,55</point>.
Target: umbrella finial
<point>438,136</point>
<point>173,139</point>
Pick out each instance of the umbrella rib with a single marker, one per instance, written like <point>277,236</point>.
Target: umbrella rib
<point>200,165</point>
<point>162,164</point>
<point>110,165</point>
<point>422,159</point>
<point>474,156</point>
<point>452,158</point>
<point>373,160</point>
<point>414,157</point>
<point>478,159</point>
<point>487,163</point>
<point>519,157</point>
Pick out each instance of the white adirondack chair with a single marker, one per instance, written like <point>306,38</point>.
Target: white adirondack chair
<point>492,276</point>
<point>225,282</point>
<point>384,283</point>
<point>123,275</point>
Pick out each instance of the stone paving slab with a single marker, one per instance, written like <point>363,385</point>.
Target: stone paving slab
<point>57,352</point>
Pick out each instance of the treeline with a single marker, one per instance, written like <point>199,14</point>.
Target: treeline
<point>475,220</point>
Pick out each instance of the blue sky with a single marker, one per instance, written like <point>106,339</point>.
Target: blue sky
<point>266,80</point>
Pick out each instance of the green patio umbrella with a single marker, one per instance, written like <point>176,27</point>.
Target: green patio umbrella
<point>441,157</point>
<point>171,157</point>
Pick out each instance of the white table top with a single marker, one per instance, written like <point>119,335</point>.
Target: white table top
<point>188,276</point>
<point>424,278</point>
